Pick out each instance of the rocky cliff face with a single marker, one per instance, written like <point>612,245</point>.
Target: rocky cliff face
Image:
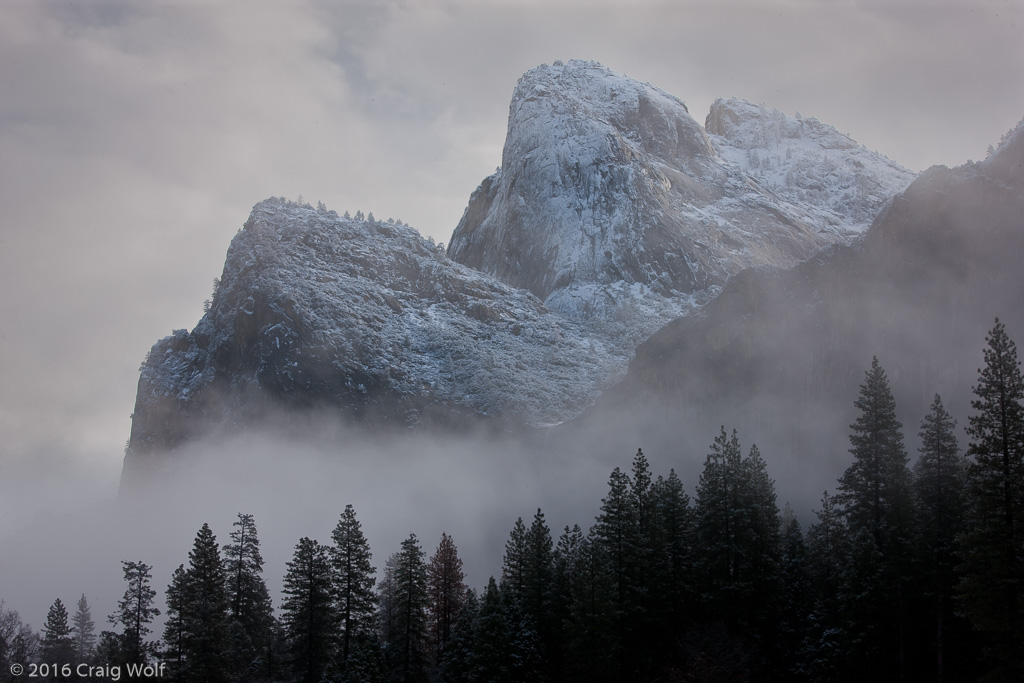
<point>608,183</point>
<point>366,319</point>
<point>614,213</point>
<point>780,354</point>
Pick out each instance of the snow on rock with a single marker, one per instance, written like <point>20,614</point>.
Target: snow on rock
<point>365,316</point>
<point>815,171</point>
<point>607,183</point>
<point>613,213</point>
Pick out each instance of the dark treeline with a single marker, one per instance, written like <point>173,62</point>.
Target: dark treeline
<point>908,573</point>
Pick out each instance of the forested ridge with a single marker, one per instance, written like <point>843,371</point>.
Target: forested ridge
<point>908,572</point>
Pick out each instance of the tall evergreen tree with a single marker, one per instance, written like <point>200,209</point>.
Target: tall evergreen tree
<point>564,561</point>
<point>617,532</point>
<point>993,542</point>
<point>591,633</point>
<point>84,629</point>
<point>135,611</point>
<point>875,488</point>
<point>523,646</point>
<point>354,578</point>
<point>672,567</point>
<point>827,550</point>
<point>457,664</point>
<point>175,635</point>
<point>387,602</point>
<point>738,532</point>
<point>249,603</point>
<point>204,612</point>
<point>491,656</point>
<point>538,593</point>
<point>57,646</point>
<point>447,591</point>
<point>875,495</point>
<point>796,600</point>
<point>513,564</point>
<point>939,480</point>
<point>308,610</point>
<point>718,521</point>
<point>407,644</point>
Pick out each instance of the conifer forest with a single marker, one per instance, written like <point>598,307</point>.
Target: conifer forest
<point>910,570</point>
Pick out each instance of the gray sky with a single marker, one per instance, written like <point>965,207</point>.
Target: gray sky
<point>135,137</point>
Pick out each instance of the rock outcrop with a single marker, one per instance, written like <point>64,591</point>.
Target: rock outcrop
<point>614,213</point>
<point>365,319</point>
<point>608,183</point>
<point>780,354</point>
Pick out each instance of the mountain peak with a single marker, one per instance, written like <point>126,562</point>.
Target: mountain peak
<point>609,183</point>
<point>822,173</point>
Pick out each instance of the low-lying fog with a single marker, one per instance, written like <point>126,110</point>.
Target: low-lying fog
<point>64,529</point>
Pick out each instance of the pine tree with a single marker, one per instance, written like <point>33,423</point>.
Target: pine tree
<point>939,480</point>
<point>796,603</point>
<point>591,639</point>
<point>523,647</point>
<point>874,489</point>
<point>308,610</point>
<point>447,590</point>
<point>406,647</point>
<point>738,532</point>
<point>353,580</point>
<point>491,650</point>
<point>204,612</point>
<point>993,541</point>
<point>513,565</point>
<point>175,635</point>
<point>718,520</point>
<point>537,594</point>
<point>641,601</point>
<point>672,566</point>
<point>457,660</point>
<point>84,629</point>
<point>827,551</point>
<point>248,599</point>
<point>135,611</point>
<point>617,532</point>
<point>57,645</point>
<point>875,495</point>
<point>564,561</point>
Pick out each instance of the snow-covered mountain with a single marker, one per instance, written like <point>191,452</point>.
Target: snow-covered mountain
<point>366,317</point>
<point>816,172</point>
<point>614,212</point>
<point>780,354</point>
<point>611,193</point>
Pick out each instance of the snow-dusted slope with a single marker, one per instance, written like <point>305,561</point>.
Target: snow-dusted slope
<point>614,213</point>
<point>362,316</point>
<point>816,172</point>
<point>607,182</point>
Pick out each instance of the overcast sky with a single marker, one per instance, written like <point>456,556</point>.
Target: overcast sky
<point>135,138</point>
